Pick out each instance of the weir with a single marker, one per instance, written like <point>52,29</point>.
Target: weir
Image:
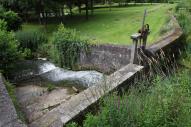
<point>58,107</point>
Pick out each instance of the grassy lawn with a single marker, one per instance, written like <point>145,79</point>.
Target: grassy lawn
<point>115,26</point>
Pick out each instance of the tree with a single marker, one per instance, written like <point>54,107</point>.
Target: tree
<point>13,20</point>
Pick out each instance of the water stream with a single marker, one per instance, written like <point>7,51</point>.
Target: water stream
<point>32,91</point>
<point>47,71</point>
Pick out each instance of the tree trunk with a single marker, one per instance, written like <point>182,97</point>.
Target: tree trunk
<point>87,15</point>
<point>45,18</point>
<point>109,5</point>
<point>79,6</point>
<point>70,6</point>
<point>62,14</point>
<point>39,8</point>
<point>92,7</point>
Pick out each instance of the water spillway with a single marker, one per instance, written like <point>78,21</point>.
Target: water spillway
<point>47,71</point>
<point>34,79</point>
<point>83,78</point>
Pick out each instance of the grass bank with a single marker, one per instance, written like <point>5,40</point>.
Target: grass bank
<point>115,26</point>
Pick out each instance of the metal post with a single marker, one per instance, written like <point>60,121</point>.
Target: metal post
<point>135,38</point>
<point>144,17</point>
<point>142,29</point>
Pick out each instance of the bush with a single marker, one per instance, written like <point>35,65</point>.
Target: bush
<point>3,25</point>
<point>31,40</point>
<point>14,22</point>
<point>50,87</point>
<point>184,19</point>
<point>183,4</point>
<point>9,52</point>
<point>67,46</point>
<point>72,125</point>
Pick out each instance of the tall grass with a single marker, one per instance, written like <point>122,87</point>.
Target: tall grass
<point>31,40</point>
<point>67,45</point>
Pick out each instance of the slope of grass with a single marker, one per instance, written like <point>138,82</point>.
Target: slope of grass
<point>115,26</point>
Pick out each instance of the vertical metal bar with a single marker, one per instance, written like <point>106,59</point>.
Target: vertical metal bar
<point>144,17</point>
<point>134,51</point>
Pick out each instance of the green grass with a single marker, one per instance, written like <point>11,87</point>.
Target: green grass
<point>115,26</point>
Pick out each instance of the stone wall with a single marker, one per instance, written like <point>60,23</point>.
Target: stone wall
<point>8,114</point>
<point>105,58</point>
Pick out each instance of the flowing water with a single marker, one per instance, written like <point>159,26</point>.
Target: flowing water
<point>46,71</point>
<point>32,86</point>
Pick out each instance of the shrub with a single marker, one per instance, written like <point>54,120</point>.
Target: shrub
<point>14,22</point>
<point>72,125</point>
<point>183,4</point>
<point>50,87</point>
<point>184,19</point>
<point>3,25</point>
<point>9,52</point>
<point>31,40</point>
<point>67,46</point>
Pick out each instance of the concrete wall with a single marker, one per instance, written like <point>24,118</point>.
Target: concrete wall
<point>8,114</point>
<point>171,41</point>
<point>105,58</point>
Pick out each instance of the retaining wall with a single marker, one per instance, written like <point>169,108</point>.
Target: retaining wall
<point>8,114</point>
<point>171,41</point>
<point>105,58</point>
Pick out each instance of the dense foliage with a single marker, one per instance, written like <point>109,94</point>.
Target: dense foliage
<point>67,47</point>
<point>3,25</point>
<point>13,20</point>
<point>9,49</point>
<point>31,40</point>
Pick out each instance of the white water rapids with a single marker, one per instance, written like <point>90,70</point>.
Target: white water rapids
<point>49,72</point>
